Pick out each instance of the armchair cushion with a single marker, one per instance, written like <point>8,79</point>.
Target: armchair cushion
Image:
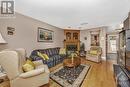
<point>32,73</point>
<point>93,52</point>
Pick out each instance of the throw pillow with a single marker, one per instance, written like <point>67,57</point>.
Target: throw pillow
<point>45,56</point>
<point>93,52</point>
<point>30,62</point>
<point>62,51</point>
<point>28,66</point>
<point>41,55</point>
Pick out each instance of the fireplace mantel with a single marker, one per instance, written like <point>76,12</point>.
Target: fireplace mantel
<point>72,38</point>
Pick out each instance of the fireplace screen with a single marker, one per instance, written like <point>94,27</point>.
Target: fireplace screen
<point>71,47</point>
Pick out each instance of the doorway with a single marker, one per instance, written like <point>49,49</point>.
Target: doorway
<point>112,46</point>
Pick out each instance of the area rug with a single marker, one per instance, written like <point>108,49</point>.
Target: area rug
<point>70,77</point>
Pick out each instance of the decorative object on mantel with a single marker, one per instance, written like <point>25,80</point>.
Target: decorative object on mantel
<point>45,35</point>
<point>95,38</point>
<point>10,30</point>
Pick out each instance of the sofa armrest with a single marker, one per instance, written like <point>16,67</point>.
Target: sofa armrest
<point>46,68</point>
<point>38,62</point>
<point>32,73</point>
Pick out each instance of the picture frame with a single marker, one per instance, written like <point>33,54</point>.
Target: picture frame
<point>95,40</point>
<point>45,35</point>
<point>10,30</point>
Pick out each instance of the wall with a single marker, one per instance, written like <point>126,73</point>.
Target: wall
<point>86,33</point>
<point>25,34</point>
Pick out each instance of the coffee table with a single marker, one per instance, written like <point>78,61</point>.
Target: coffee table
<point>69,63</point>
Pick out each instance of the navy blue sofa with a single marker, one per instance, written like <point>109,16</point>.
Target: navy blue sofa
<point>53,53</point>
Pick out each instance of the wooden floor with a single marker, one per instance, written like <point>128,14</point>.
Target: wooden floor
<point>99,75</point>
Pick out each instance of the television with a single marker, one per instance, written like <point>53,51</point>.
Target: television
<point>124,51</point>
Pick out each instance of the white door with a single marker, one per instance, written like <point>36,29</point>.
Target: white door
<point>112,44</point>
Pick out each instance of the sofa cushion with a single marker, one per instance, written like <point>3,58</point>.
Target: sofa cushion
<point>50,60</point>
<point>93,52</point>
<point>62,51</point>
<point>57,51</point>
<point>53,50</point>
<point>56,57</point>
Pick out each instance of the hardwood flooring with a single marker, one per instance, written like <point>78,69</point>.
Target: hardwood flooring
<point>99,75</point>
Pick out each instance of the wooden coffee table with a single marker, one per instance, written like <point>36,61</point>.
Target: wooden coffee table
<point>69,63</point>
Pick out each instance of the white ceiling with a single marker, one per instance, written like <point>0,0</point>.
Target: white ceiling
<point>76,13</point>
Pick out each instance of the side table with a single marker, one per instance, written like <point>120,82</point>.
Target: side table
<point>4,82</point>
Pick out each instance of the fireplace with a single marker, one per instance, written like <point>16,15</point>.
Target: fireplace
<point>71,47</point>
<point>72,40</point>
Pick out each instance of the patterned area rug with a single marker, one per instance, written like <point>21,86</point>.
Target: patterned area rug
<point>70,77</point>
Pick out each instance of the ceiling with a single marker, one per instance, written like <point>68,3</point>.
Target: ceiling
<point>77,14</point>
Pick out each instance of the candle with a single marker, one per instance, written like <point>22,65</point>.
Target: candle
<point>72,58</point>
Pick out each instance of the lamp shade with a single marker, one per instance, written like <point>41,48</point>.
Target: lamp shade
<point>1,39</point>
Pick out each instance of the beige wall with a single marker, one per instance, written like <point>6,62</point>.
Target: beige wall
<point>86,33</point>
<point>25,34</point>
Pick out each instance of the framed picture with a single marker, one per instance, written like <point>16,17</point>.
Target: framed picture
<point>45,35</point>
<point>94,39</point>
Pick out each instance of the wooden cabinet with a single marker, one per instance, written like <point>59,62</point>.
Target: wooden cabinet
<point>72,39</point>
<point>72,35</point>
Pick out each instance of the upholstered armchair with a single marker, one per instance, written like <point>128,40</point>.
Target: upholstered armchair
<point>94,54</point>
<point>12,62</point>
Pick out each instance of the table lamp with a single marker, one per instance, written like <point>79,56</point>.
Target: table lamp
<point>2,41</point>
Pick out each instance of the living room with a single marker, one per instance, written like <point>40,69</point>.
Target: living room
<point>64,43</point>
